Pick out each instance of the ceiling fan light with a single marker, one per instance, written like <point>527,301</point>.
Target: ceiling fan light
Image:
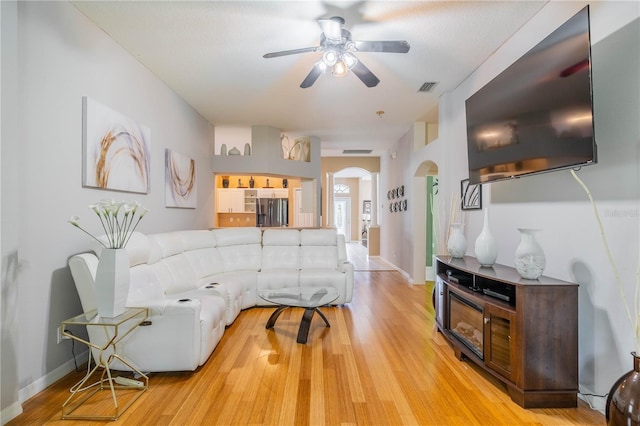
<point>340,69</point>
<point>349,60</point>
<point>330,58</point>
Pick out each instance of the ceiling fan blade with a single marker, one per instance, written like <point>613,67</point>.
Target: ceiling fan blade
<point>313,75</point>
<point>332,28</point>
<point>398,46</point>
<point>365,75</point>
<point>290,52</point>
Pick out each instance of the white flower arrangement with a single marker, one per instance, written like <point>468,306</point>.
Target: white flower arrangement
<point>118,219</point>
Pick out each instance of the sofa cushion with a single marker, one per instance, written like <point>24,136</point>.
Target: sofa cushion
<point>281,237</point>
<point>143,286</point>
<point>237,236</point>
<point>178,275</point>
<point>243,257</point>
<point>246,280</point>
<point>205,261</point>
<point>319,257</point>
<point>170,243</point>
<point>318,237</point>
<point>197,239</point>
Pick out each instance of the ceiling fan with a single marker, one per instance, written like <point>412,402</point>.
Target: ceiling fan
<point>339,49</point>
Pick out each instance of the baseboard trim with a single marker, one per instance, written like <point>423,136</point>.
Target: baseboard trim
<point>11,412</point>
<point>50,378</point>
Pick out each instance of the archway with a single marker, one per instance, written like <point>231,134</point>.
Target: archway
<point>425,221</point>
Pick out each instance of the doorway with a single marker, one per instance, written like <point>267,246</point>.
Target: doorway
<point>342,216</point>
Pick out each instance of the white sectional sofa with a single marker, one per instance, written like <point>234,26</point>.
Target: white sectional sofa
<point>195,283</point>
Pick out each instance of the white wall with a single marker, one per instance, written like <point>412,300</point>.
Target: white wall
<point>63,57</point>
<point>554,202</point>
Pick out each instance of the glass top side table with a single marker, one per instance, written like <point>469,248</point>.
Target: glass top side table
<point>114,329</point>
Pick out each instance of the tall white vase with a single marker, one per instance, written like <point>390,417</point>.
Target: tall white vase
<point>529,257</point>
<point>457,243</point>
<point>112,282</point>
<point>486,246</point>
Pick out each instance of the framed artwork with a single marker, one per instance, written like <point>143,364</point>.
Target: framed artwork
<point>299,149</point>
<point>471,195</point>
<point>180,188</point>
<point>366,207</point>
<point>116,150</point>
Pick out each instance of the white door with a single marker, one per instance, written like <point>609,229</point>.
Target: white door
<point>342,216</point>
<point>301,219</point>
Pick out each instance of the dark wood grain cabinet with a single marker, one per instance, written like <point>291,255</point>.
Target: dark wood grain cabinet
<point>523,332</point>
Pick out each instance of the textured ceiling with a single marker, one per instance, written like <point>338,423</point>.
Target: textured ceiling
<point>210,53</point>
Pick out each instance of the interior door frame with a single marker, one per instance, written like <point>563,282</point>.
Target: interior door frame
<point>347,215</point>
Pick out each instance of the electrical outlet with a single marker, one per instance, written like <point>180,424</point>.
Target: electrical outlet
<point>60,336</point>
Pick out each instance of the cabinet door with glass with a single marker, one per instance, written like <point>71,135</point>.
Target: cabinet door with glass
<point>500,340</point>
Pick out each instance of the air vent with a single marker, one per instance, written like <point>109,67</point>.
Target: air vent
<point>428,86</point>
<point>357,151</point>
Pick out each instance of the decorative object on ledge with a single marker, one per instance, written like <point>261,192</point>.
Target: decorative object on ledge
<point>223,149</point>
<point>486,246</point>
<point>457,243</point>
<point>225,181</point>
<point>529,257</point>
<point>247,149</point>
<point>180,181</point>
<point>471,195</point>
<point>623,403</point>
<point>116,152</point>
<point>285,183</point>
<point>234,151</point>
<point>251,182</point>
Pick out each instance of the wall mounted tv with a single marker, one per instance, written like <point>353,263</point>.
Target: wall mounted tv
<point>537,115</point>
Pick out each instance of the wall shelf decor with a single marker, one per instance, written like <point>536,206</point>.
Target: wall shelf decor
<point>471,195</point>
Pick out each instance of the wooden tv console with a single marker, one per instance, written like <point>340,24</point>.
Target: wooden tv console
<point>523,332</point>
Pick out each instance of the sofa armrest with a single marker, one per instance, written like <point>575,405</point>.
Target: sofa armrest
<point>347,268</point>
<point>170,341</point>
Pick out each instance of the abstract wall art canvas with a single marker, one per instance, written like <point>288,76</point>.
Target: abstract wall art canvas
<point>180,180</point>
<point>116,150</point>
<point>299,149</point>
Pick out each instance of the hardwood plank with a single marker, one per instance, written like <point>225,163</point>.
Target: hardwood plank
<point>381,362</point>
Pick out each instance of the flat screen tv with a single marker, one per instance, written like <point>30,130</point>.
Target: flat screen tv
<point>537,115</point>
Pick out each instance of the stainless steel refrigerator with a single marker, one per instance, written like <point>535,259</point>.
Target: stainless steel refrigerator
<point>272,212</point>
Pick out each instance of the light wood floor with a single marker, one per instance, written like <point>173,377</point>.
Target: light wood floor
<point>381,363</point>
<point>358,255</point>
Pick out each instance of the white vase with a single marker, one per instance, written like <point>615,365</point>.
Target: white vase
<point>486,246</point>
<point>457,243</point>
<point>223,149</point>
<point>529,257</point>
<point>112,282</point>
<point>247,149</point>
